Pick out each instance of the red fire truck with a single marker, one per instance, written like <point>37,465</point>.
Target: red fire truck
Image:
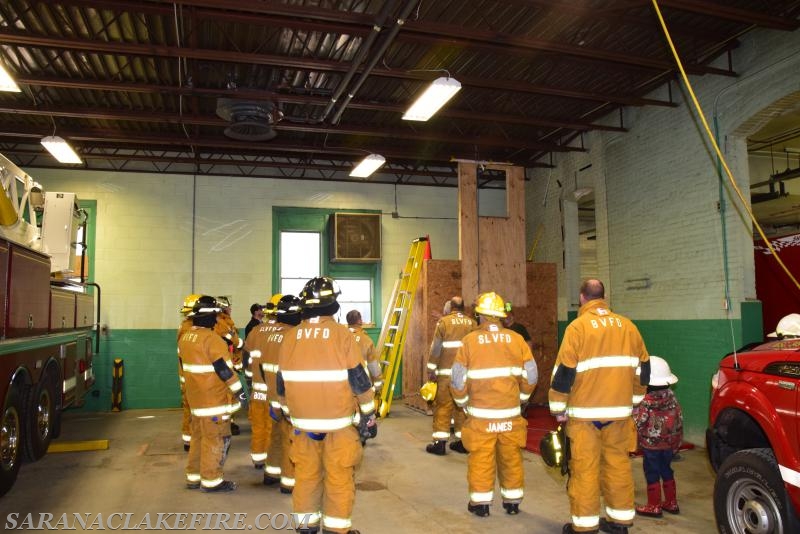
<point>46,318</point>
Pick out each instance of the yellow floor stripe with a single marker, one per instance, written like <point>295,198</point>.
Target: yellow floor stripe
<point>76,446</point>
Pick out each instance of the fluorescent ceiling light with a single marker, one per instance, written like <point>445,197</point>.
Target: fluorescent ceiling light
<point>7,83</point>
<point>435,96</point>
<point>60,149</point>
<point>368,165</point>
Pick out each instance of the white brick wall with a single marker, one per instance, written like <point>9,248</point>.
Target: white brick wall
<point>660,184</point>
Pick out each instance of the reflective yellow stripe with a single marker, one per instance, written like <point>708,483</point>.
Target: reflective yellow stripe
<point>186,437</point>
<point>493,413</point>
<point>196,368</point>
<point>275,404</point>
<point>451,344</point>
<point>211,483</point>
<point>457,434</point>
<point>336,522</point>
<point>557,406</point>
<point>586,521</point>
<point>273,470</point>
<point>287,481</point>
<point>441,435</point>
<point>223,409</point>
<point>255,354</point>
<point>524,397</point>
<point>316,425</point>
<point>270,368</point>
<point>481,497</point>
<point>461,401</point>
<point>494,372</point>
<point>258,457</point>
<point>620,515</point>
<point>336,375</point>
<point>193,477</point>
<point>367,407</point>
<point>599,362</point>
<point>182,379</point>
<point>432,366</point>
<point>637,399</point>
<point>599,414</point>
<point>512,493</point>
<point>444,372</point>
<point>259,386</point>
<point>235,387</point>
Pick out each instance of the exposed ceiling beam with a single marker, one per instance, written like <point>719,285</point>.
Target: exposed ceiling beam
<point>137,140</point>
<point>401,132</point>
<point>256,94</point>
<point>745,16</point>
<point>19,38</point>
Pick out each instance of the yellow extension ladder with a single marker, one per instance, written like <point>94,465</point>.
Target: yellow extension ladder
<point>395,323</point>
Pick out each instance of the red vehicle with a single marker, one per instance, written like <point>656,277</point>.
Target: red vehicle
<point>46,319</point>
<point>754,439</point>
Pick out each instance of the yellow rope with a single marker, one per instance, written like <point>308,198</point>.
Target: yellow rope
<point>717,150</point>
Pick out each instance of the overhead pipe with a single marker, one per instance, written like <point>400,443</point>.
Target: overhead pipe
<point>362,52</point>
<point>378,55</point>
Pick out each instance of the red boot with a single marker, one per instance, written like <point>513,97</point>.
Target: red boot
<point>670,503</point>
<point>653,506</point>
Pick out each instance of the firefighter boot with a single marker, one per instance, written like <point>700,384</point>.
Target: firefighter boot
<point>481,510</point>
<point>225,485</point>
<point>437,447</point>
<point>458,446</point>
<point>567,529</point>
<point>653,506</point>
<point>670,503</point>
<point>512,508</point>
<point>235,429</point>
<point>612,527</point>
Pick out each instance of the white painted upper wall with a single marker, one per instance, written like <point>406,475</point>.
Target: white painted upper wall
<point>146,226</point>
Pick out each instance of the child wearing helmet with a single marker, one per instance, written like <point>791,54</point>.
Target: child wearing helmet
<point>659,423</point>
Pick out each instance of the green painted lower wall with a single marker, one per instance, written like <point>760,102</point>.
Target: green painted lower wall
<point>693,350</point>
<point>150,378</point>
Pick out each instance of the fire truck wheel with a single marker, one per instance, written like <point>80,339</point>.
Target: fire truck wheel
<point>41,416</point>
<point>10,439</point>
<point>749,495</point>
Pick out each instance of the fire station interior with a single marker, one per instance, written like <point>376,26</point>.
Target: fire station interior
<point>652,145</point>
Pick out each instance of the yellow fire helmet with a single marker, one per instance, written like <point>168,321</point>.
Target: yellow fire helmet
<point>189,302</point>
<point>272,306</point>
<point>428,391</point>
<point>554,449</point>
<point>490,304</point>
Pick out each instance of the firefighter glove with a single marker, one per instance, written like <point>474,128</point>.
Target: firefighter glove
<point>367,427</point>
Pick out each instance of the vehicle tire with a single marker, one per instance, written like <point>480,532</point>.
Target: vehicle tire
<point>41,416</point>
<point>749,495</point>
<point>10,439</point>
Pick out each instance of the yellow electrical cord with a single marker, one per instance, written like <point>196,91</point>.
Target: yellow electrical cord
<point>716,147</point>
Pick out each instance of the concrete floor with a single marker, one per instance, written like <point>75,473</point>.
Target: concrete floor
<point>401,489</point>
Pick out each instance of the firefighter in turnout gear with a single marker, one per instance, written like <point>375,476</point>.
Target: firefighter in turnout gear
<point>226,328</point>
<point>279,466</point>
<point>494,373</point>
<point>326,391</point>
<point>450,329</point>
<point>258,410</point>
<point>186,324</point>
<point>601,372</point>
<point>368,351</point>
<point>212,390</point>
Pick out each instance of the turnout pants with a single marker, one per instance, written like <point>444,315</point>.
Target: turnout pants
<point>211,437</point>
<point>495,446</point>
<point>325,487</point>
<point>599,464</point>
<point>445,409</point>
<point>260,428</point>
<point>186,422</point>
<point>279,465</point>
